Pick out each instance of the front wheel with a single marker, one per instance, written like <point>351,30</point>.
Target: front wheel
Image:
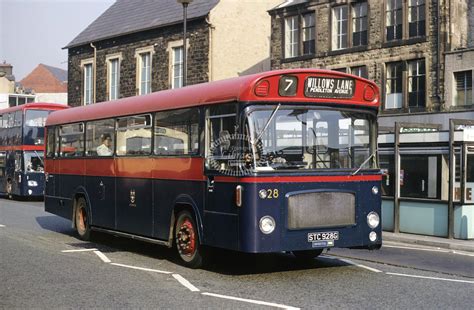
<point>187,241</point>
<point>307,255</point>
<point>82,219</point>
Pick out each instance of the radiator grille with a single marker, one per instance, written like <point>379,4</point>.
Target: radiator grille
<point>321,209</point>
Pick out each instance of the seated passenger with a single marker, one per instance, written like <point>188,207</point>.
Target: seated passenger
<point>104,148</point>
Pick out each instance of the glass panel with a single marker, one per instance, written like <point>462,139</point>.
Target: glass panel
<point>420,176</point>
<point>134,135</point>
<point>291,36</point>
<point>176,132</point>
<point>72,140</point>
<point>34,126</point>
<point>100,138</point>
<point>177,70</point>
<point>33,161</point>
<point>114,79</point>
<point>309,138</point>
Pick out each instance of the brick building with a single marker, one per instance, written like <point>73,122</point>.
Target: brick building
<point>48,83</point>
<point>400,44</point>
<point>136,47</point>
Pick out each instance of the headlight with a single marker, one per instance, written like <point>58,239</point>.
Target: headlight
<point>373,236</point>
<point>267,224</point>
<point>373,219</point>
<point>375,190</point>
<point>32,183</point>
<point>262,193</point>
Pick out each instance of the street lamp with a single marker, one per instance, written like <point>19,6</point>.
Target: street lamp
<point>185,4</point>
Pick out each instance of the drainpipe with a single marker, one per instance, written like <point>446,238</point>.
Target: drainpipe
<point>94,71</point>
<point>211,50</point>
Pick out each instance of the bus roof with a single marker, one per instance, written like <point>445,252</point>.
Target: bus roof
<point>35,105</point>
<point>244,88</point>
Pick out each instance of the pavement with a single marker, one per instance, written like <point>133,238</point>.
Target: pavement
<point>439,242</point>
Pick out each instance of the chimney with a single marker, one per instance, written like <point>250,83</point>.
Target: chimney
<point>7,68</point>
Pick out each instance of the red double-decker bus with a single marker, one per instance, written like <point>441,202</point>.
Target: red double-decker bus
<point>22,148</point>
<point>277,161</point>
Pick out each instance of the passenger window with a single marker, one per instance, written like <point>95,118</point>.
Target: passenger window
<point>72,140</point>
<point>176,132</point>
<point>52,142</point>
<point>100,138</point>
<point>134,135</point>
<point>18,119</point>
<point>220,127</point>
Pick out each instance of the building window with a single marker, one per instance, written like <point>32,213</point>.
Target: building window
<point>394,19</point>
<point>420,176</point>
<point>300,35</point>
<point>360,71</point>
<point>309,46</point>
<point>291,36</point>
<point>145,74</point>
<point>393,86</point>
<point>114,78</point>
<point>177,68</point>
<point>464,88</point>
<point>340,27</point>
<point>416,83</point>
<point>359,24</point>
<point>144,56</point>
<point>88,84</point>
<point>416,18</point>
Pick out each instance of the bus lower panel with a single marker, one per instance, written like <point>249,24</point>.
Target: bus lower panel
<point>58,206</point>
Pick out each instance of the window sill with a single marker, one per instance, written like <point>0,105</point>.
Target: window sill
<point>298,58</point>
<point>409,41</point>
<point>348,50</point>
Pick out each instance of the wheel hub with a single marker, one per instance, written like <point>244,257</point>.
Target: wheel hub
<point>186,239</point>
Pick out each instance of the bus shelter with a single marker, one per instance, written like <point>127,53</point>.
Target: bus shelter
<point>428,182</point>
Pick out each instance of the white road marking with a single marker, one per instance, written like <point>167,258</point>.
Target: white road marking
<point>429,250</point>
<point>140,268</point>
<point>430,278</point>
<point>101,255</point>
<point>352,263</point>
<point>185,282</point>
<point>257,302</point>
<point>358,265</point>
<point>2,225</point>
<point>78,250</point>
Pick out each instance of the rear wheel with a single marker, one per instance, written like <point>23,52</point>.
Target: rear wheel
<point>187,240</point>
<point>307,255</point>
<point>82,219</point>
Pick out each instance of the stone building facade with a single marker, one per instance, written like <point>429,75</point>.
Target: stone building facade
<point>144,53</point>
<point>400,44</point>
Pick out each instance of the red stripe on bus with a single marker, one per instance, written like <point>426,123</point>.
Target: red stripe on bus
<point>300,179</point>
<point>190,169</point>
<point>22,148</point>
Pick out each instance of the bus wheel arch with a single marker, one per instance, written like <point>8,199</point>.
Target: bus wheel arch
<point>81,217</point>
<point>186,237</point>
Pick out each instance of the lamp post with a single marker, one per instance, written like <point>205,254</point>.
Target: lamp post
<point>185,4</point>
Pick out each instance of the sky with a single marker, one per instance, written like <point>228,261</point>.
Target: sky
<point>35,31</point>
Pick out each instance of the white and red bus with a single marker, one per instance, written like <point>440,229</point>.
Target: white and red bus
<point>277,161</point>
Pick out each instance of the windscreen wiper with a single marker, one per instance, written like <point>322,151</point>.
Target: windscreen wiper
<point>267,123</point>
<point>365,162</point>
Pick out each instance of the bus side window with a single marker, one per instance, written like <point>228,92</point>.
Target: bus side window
<point>134,135</point>
<point>3,162</point>
<point>220,127</point>
<point>177,132</point>
<point>100,138</point>
<point>50,146</point>
<point>71,140</point>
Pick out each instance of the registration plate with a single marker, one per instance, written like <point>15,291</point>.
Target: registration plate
<point>323,236</point>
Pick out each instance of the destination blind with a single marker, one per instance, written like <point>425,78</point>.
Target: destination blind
<point>327,87</point>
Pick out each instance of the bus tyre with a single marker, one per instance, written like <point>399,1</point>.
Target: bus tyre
<point>187,240</point>
<point>82,219</point>
<point>307,255</point>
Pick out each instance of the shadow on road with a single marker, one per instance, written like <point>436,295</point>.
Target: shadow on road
<point>56,224</point>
